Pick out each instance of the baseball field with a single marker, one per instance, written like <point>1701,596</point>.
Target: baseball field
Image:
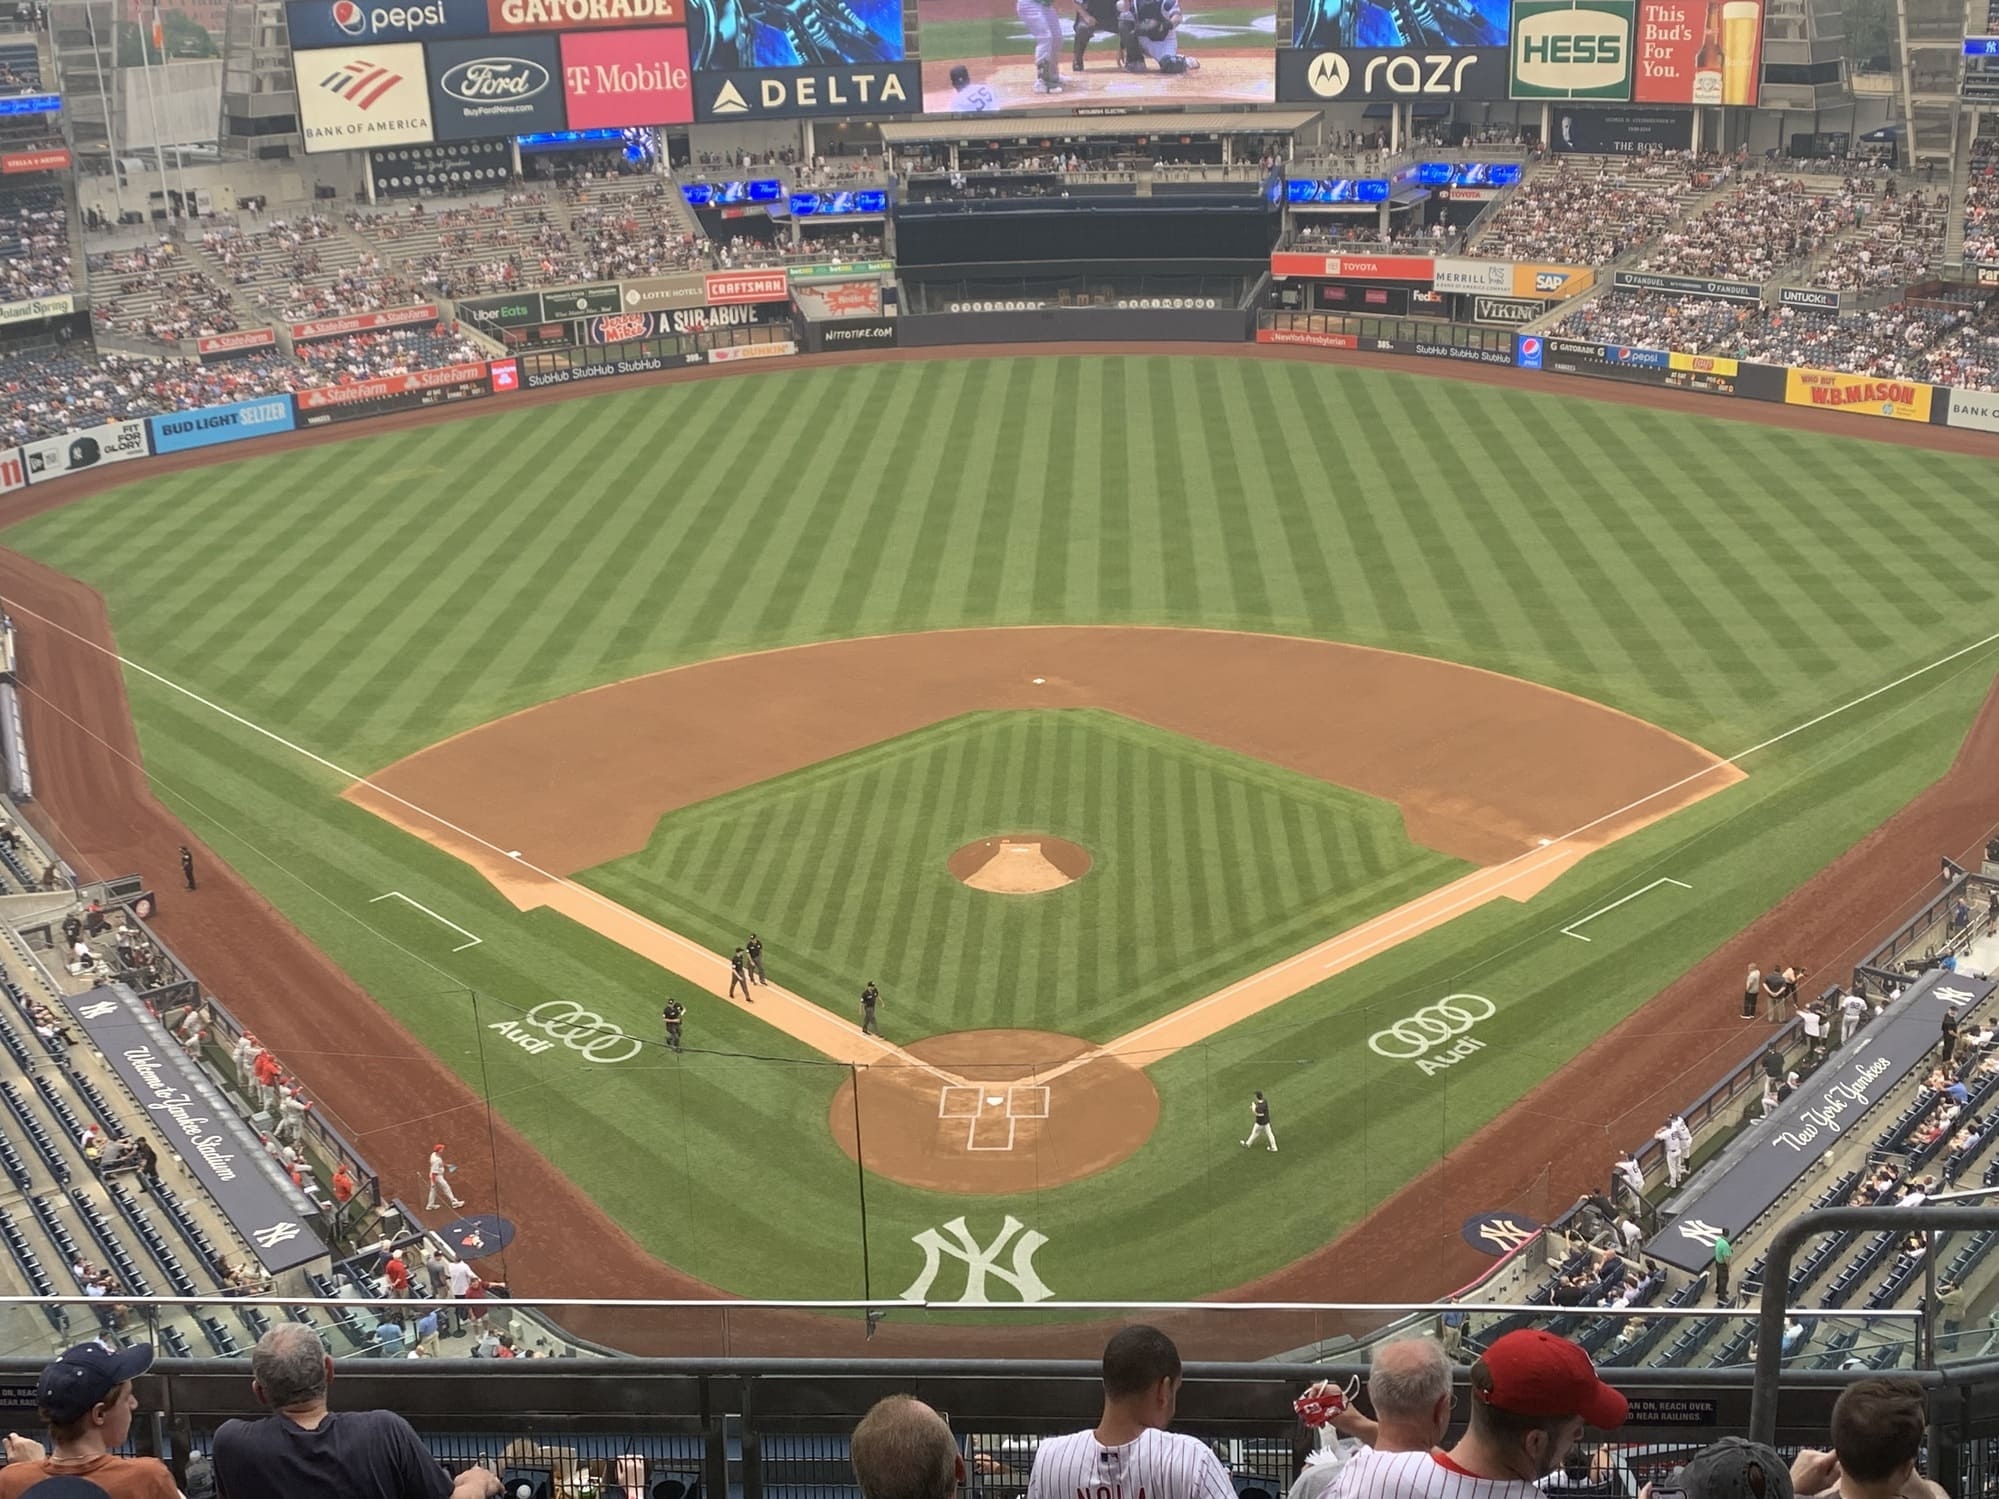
<point>1377,741</point>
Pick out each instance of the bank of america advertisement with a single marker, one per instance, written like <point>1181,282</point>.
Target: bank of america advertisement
<point>351,98</point>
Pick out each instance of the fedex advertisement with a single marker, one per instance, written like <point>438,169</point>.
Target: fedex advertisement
<point>211,426</point>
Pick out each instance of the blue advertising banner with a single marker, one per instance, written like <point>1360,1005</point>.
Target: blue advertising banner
<point>1761,1166</point>
<point>213,425</point>
<point>343,23</point>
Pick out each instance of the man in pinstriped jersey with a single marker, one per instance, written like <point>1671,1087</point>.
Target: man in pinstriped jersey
<point>1532,1396</point>
<point>1131,1454</point>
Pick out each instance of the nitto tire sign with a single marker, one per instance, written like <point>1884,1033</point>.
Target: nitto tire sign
<point>1364,74</point>
<point>1572,49</point>
<point>114,442</point>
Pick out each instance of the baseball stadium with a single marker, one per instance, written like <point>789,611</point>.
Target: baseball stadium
<point>781,706</point>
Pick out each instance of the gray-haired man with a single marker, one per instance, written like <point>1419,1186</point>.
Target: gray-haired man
<point>1409,1386</point>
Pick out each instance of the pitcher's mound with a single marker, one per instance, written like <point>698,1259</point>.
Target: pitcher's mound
<point>1019,864</point>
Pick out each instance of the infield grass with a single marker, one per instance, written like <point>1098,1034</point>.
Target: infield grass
<point>368,597</point>
<point>1207,867</point>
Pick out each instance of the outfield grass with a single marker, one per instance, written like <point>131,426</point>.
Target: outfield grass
<point>368,597</point>
<point>1207,867</point>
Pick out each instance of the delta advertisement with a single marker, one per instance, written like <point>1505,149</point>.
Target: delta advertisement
<point>1861,395</point>
<point>846,91</point>
<point>210,426</point>
<point>354,97</point>
<point>114,442</point>
<point>364,398</point>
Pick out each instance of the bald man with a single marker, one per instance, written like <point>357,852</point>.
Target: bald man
<point>1409,1386</point>
<point>904,1450</point>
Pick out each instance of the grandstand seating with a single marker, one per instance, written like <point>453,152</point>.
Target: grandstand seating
<point>35,256</point>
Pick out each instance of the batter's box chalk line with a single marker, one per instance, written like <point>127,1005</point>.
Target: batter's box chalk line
<point>991,1111</point>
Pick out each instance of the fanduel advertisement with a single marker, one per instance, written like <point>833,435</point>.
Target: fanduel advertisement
<point>851,91</point>
<point>213,425</point>
<point>343,23</point>
<point>354,97</point>
<point>114,442</point>
<point>495,87</point>
<point>1373,74</point>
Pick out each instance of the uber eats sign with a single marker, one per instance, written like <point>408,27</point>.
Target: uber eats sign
<point>1572,49</point>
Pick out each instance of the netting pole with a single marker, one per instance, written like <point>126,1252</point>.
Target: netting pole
<point>861,1180</point>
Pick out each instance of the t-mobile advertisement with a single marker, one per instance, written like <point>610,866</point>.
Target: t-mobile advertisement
<point>986,56</point>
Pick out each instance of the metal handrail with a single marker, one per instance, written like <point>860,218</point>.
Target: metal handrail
<point>1777,1258</point>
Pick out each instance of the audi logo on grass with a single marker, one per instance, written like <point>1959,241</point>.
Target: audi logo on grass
<point>1430,1037</point>
<point>565,1022</point>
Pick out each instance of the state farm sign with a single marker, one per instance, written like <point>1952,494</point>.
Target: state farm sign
<point>615,79</point>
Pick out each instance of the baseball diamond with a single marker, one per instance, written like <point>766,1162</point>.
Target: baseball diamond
<point>1353,688</point>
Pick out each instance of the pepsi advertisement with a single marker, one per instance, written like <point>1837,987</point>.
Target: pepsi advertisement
<point>726,36</point>
<point>1339,25</point>
<point>341,23</point>
<point>210,426</point>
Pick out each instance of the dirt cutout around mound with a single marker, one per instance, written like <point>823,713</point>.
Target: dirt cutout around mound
<point>1019,864</point>
<point>1033,1109</point>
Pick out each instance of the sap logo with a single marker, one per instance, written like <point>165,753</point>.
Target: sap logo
<point>491,80</point>
<point>1550,280</point>
<point>1330,75</point>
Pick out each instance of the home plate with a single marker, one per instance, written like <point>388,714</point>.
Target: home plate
<point>995,1099</point>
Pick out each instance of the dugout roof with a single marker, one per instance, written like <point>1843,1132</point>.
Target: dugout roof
<point>1026,128</point>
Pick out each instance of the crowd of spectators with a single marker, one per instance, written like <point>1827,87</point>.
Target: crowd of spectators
<point>1655,320</point>
<point>154,292</point>
<point>45,395</point>
<point>1330,231</point>
<point>1588,214</point>
<point>1765,224</point>
<point>1981,204</point>
<point>34,244</point>
<point>1900,239</point>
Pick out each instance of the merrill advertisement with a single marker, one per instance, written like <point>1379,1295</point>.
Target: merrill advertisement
<point>213,425</point>
<point>114,442</point>
<point>1862,395</point>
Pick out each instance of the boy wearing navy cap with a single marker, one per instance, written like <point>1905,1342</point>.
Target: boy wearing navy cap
<point>86,1397</point>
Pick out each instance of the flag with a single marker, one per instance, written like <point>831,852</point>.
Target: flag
<point>159,35</point>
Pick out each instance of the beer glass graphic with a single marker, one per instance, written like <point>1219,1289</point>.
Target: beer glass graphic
<point>1741,21</point>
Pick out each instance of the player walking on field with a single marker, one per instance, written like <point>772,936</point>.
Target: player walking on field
<point>755,948</point>
<point>440,1181</point>
<point>1259,1113</point>
<point>739,974</point>
<point>870,997</point>
<point>1045,27</point>
<point>1131,1455</point>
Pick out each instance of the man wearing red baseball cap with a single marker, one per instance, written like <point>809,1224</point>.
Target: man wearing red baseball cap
<point>1532,1394</point>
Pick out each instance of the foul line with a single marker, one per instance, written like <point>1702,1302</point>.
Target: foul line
<point>1570,929</point>
<point>398,895</point>
<point>888,1050</point>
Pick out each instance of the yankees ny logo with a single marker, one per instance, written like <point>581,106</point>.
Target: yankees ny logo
<point>99,1010</point>
<point>981,1262</point>
<point>1699,1232</point>
<point>1506,1233</point>
<point>1951,995</point>
<point>276,1234</point>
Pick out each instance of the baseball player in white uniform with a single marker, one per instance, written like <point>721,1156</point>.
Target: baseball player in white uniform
<point>1679,1143</point>
<point>1532,1396</point>
<point>1131,1453</point>
<point>1852,1010</point>
<point>440,1182</point>
<point>1629,1177</point>
<point>1259,1122</point>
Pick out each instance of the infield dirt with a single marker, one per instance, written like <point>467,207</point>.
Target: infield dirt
<point>95,803</point>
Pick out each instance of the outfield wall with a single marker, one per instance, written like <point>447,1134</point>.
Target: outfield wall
<point>51,458</point>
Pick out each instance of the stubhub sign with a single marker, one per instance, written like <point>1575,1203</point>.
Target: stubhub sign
<point>341,23</point>
<point>212,425</point>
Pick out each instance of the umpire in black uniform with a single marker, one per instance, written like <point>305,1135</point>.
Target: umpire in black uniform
<point>870,996</point>
<point>739,974</point>
<point>1093,16</point>
<point>673,1015</point>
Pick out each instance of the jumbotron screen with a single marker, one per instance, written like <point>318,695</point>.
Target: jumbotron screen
<point>990,56</point>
